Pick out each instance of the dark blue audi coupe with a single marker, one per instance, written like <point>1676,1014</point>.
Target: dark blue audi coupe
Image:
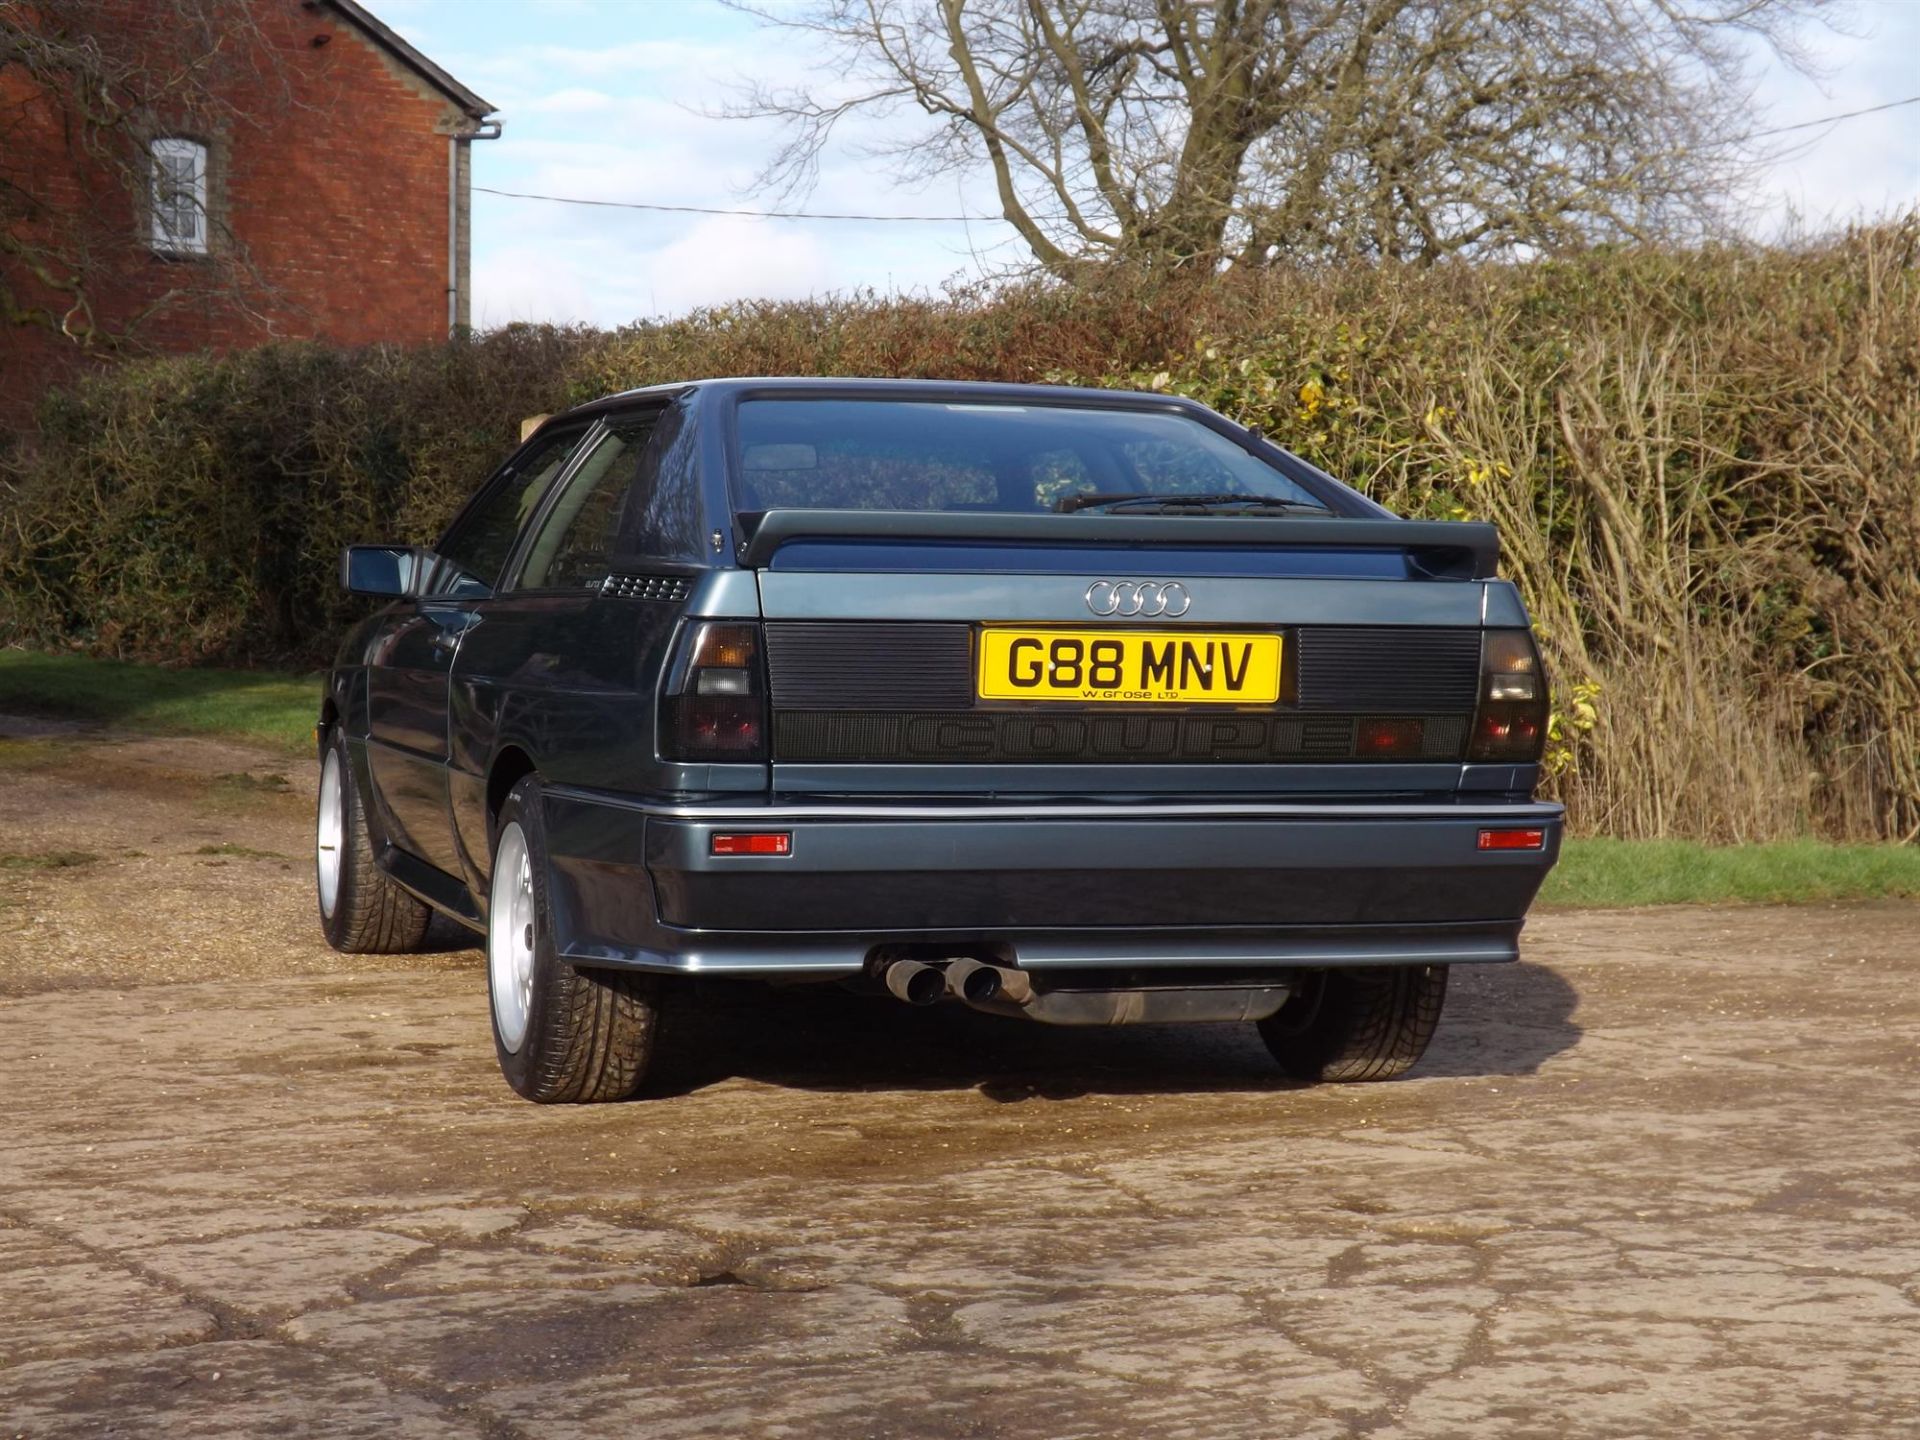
<point>1086,707</point>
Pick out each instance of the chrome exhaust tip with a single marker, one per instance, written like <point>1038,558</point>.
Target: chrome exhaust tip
<point>1015,985</point>
<point>972,981</point>
<point>915,983</point>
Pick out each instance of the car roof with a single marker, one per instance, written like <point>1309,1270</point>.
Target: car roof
<point>958,391</point>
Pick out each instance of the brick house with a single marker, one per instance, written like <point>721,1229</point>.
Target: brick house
<point>329,200</point>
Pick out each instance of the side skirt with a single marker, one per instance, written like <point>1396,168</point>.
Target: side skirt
<point>445,893</point>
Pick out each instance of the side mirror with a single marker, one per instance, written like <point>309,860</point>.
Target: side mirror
<point>388,570</point>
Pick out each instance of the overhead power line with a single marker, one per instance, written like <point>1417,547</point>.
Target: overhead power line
<point>1832,119</point>
<point>712,210</point>
<point>988,219</point>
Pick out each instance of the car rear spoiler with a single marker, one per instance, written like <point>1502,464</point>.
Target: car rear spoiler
<point>1448,549</point>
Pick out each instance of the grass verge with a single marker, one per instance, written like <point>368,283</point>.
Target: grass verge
<point>265,706</point>
<point>1604,874</point>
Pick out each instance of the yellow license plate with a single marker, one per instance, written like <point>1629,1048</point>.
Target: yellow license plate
<point>1129,666</point>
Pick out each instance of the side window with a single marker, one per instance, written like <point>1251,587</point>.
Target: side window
<point>575,546</point>
<point>662,516</point>
<point>474,551</point>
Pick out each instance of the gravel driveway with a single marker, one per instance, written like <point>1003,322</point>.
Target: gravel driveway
<point>1658,1179</point>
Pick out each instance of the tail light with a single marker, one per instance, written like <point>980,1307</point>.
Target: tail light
<point>1391,739</point>
<point>715,704</point>
<point>1510,720</point>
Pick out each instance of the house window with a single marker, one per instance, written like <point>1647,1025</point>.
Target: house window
<point>179,196</point>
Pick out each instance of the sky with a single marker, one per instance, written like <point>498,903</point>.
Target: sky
<point>606,100</point>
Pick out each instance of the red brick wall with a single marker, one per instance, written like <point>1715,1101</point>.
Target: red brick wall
<point>334,188</point>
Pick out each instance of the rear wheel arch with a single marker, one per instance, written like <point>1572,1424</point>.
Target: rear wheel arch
<point>509,767</point>
<point>329,721</point>
<point>561,1033</point>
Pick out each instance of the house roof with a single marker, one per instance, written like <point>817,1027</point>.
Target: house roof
<point>387,39</point>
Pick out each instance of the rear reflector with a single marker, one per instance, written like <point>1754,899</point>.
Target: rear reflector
<point>757,842</point>
<point>1513,839</point>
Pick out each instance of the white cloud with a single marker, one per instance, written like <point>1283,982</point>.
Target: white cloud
<point>725,258</point>
<point>696,71</point>
<point>656,174</point>
<point>576,100</point>
<point>681,58</point>
<point>516,283</point>
<point>570,275</point>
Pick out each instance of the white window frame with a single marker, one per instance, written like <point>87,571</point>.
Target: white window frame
<point>170,236</point>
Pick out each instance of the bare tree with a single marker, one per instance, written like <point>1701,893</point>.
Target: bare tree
<point>1176,131</point>
<point>84,86</point>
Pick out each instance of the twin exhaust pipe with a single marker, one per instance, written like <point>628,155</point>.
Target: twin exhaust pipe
<point>1003,990</point>
<point>973,981</point>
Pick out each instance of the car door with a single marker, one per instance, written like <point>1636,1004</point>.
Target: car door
<point>412,658</point>
<point>562,663</point>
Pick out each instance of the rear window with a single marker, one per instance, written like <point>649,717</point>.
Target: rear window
<point>921,455</point>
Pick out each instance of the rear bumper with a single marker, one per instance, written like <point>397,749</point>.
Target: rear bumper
<point>1063,885</point>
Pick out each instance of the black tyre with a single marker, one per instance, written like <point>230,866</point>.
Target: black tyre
<point>563,1035</point>
<point>1371,1023</point>
<point>361,910</point>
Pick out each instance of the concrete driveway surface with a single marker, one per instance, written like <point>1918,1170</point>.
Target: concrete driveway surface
<point>1659,1179</point>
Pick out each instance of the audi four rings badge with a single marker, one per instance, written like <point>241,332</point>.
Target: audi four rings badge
<point>1152,598</point>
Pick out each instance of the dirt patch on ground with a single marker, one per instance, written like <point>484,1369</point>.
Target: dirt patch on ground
<point>129,860</point>
<point>1658,1179</point>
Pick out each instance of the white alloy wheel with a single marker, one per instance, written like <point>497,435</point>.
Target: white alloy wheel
<point>330,832</point>
<point>510,924</point>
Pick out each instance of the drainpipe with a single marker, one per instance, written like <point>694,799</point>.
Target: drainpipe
<point>482,130</point>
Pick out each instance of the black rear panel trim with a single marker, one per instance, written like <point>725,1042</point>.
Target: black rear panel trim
<point>1183,737</point>
<point>836,665</point>
<point>1411,670</point>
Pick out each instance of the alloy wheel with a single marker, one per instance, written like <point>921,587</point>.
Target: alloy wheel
<point>510,936</point>
<point>330,832</point>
